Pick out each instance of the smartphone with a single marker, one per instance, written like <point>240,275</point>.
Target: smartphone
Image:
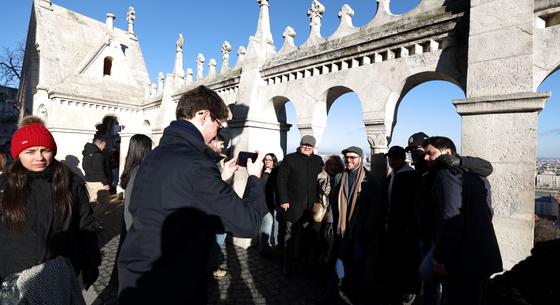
<point>244,156</point>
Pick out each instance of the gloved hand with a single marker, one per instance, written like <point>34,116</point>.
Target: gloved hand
<point>451,162</point>
<point>89,276</point>
<point>447,161</point>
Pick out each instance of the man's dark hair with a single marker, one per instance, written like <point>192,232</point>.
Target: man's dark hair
<point>440,143</point>
<point>219,138</point>
<point>201,98</point>
<point>98,138</point>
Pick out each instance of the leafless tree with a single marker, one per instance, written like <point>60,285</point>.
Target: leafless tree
<point>11,63</point>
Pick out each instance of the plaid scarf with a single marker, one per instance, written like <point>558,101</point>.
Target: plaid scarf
<point>344,217</point>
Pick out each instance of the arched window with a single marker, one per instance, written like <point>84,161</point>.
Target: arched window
<point>107,65</point>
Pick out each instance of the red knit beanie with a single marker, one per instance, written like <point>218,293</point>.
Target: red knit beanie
<point>32,135</point>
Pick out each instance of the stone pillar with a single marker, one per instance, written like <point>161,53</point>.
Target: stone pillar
<point>125,142</point>
<point>503,130</point>
<point>500,115</point>
<point>378,134</point>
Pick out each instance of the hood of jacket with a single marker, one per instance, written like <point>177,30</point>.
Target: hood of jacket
<point>90,148</point>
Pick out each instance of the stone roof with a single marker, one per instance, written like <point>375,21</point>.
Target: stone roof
<point>72,49</point>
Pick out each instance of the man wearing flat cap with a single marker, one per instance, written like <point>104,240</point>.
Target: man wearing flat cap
<point>355,195</point>
<point>297,191</point>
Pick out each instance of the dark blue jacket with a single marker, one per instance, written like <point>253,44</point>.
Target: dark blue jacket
<point>465,239</point>
<point>178,201</point>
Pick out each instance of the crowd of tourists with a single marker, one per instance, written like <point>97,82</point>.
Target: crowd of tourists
<point>425,228</point>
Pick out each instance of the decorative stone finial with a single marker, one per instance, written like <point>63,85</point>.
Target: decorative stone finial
<point>189,75</point>
<point>212,67</point>
<point>180,42</point>
<point>345,27</point>
<point>315,13</point>
<point>200,66</point>
<point>345,14</point>
<point>240,55</point>
<point>289,44</point>
<point>178,69</point>
<point>262,2</point>
<point>130,16</point>
<point>226,49</point>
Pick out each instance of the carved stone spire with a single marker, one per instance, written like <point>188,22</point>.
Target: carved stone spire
<point>289,44</point>
<point>315,13</point>
<point>200,66</point>
<point>130,16</point>
<point>263,27</point>
<point>178,70</point>
<point>226,50</point>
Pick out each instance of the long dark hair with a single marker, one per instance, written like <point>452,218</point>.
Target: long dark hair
<point>139,147</point>
<point>274,161</point>
<point>12,205</point>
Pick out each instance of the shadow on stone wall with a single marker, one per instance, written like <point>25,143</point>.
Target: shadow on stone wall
<point>534,281</point>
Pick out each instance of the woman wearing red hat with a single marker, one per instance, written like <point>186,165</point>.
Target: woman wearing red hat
<point>44,210</point>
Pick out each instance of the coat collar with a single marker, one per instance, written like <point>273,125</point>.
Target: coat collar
<point>181,131</point>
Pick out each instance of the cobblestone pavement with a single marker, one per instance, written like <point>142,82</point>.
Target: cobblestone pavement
<point>250,280</point>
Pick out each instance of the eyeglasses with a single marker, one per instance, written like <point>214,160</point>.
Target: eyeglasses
<point>220,124</point>
<point>265,159</point>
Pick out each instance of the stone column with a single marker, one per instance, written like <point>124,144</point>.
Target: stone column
<point>503,130</point>
<point>378,134</point>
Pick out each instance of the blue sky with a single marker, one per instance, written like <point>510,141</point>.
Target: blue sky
<point>206,24</point>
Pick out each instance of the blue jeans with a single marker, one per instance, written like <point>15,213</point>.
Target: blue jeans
<point>350,261</point>
<point>269,232</point>
<point>216,249</point>
<point>432,284</point>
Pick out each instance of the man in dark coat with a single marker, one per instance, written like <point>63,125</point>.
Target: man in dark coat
<point>425,206</point>
<point>179,201</point>
<point>96,179</point>
<point>466,250</point>
<point>402,240</point>
<point>297,191</point>
<point>354,203</point>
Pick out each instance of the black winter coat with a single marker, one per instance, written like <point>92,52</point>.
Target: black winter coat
<point>465,239</point>
<point>45,235</point>
<point>365,219</point>
<point>178,203</point>
<point>92,164</point>
<point>297,183</point>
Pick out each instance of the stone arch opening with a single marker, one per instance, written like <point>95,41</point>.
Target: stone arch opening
<point>344,125</point>
<point>107,65</point>
<point>109,129</point>
<point>547,181</point>
<point>288,132</point>
<point>425,104</point>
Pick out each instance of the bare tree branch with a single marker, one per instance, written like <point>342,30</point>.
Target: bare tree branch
<point>11,64</point>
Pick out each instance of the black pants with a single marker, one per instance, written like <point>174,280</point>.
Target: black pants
<point>292,243</point>
<point>465,289</point>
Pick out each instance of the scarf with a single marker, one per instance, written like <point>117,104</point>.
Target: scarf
<point>344,217</point>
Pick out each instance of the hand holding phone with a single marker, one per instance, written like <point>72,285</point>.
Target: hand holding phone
<point>244,156</point>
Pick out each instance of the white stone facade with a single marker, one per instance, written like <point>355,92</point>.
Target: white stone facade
<point>497,51</point>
